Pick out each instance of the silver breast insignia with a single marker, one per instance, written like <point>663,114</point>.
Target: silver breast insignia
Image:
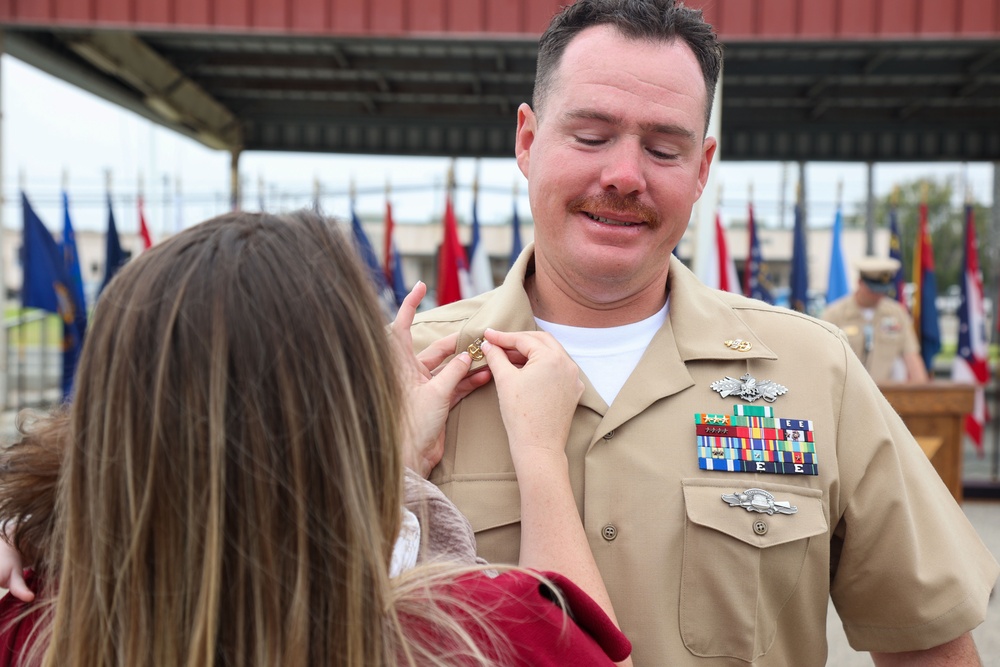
<point>749,388</point>
<point>759,500</point>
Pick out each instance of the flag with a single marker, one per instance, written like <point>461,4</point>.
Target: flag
<point>516,247</point>
<point>393,264</point>
<point>367,254</point>
<point>480,272</point>
<point>147,240</point>
<point>45,284</point>
<point>114,256</point>
<point>724,271</point>
<point>896,252</point>
<point>837,285</point>
<point>970,365</point>
<point>925,314</point>
<point>451,260</point>
<point>755,283</point>
<point>75,330</point>
<point>799,296</point>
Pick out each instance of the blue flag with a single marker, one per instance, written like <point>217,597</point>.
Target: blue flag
<point>799,297</point>
<point>925,312</point>
<point>516,247</point>
<point>896,252</point>
<point>837,285</point>
<point>393,264</point>
<point>755,271</point>
<point>114,256</point>
<point>74,331</point>
<point>367,254</point>
<point>480,271</point>
<point>45,284</point>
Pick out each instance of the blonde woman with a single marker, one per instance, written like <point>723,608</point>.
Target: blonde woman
<point>229,479</point>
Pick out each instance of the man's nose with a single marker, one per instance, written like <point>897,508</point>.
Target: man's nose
<point>623,170</point>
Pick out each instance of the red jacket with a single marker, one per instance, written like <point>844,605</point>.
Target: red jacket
<point>533,630</point>
<point>15,628</point>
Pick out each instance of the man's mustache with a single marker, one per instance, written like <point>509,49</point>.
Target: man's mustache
<point>610,204</point>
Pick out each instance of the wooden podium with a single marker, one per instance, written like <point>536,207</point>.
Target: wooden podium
<point>935,414</point>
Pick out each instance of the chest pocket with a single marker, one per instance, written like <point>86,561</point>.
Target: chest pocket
<point>492,503</point>
<point>741,567</point>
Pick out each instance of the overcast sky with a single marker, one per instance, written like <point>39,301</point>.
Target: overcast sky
<point>51,128</point>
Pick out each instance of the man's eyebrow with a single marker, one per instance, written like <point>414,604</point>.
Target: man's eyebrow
<point>618,121</point>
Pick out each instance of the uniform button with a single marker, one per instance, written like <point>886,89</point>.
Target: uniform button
<point>609,532</point>
<point>610,434</point>
<point>760,527</point>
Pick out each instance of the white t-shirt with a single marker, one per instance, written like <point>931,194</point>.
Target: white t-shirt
<point>607,356</point>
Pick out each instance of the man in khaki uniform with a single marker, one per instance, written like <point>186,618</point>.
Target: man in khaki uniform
<point>878,327</point>
<point>733,463</point>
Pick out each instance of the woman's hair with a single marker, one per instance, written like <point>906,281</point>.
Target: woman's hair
<point>231,488</point>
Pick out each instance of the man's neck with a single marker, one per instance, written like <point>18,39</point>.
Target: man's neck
<point>552,303</point>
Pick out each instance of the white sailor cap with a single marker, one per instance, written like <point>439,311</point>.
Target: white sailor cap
<point>878,273</point>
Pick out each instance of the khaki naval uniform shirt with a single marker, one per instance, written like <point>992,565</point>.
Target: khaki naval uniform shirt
<point>695,581</point>
<point>892,334</point>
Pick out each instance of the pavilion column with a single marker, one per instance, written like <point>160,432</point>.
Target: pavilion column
<point>703,213</point>
<point>3,274</point>
<point>870,211</point>
<point>235,196</point>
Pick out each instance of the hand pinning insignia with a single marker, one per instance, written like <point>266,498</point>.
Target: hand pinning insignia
<point>759,500</point>
<point>748,388</point>
<point>475,349</point>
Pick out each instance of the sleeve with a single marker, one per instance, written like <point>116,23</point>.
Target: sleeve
<point>535,630</point>
<point>908,571</point>
<point>589,616</point>
<point>17,621</point>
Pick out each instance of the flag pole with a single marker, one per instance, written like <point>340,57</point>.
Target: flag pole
<point>22,178</point>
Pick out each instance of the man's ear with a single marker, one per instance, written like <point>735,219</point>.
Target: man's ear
<point>710,144</point>
<point>526,123</point>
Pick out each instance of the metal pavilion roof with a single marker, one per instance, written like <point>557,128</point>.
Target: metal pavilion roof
<point>867,80</point>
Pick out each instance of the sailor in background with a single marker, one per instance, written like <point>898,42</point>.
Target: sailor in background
<point>878,327</point>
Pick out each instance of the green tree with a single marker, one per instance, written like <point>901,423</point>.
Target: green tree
<point>946,222</point>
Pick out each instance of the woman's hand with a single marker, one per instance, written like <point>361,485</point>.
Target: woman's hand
<point>432,386</point>
<point>12,570</point>
<point>537,397</point>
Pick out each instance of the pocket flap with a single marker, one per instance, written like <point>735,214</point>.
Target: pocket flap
<point>705,507</point>
<point>487,500</point>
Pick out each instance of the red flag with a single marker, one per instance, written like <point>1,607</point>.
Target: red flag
<point>451,260</point>
<point>147,240</point>
<point>387,253</point>
<point>970,365</point>
<point>728,281</point>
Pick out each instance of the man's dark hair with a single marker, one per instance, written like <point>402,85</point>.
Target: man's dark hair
<point>653,20</point>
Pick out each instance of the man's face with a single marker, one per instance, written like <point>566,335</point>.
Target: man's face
<point>615,160</point>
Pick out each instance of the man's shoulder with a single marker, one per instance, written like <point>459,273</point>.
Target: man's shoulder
<point>441,321</point>
<point>891,306</point>
<point>764,314</point>
<point>843,307</point>
<point>453,313</point>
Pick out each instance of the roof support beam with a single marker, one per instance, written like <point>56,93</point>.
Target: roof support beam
<point>162,87</point>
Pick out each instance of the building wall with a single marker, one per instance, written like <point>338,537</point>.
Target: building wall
<point>735,20</point>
